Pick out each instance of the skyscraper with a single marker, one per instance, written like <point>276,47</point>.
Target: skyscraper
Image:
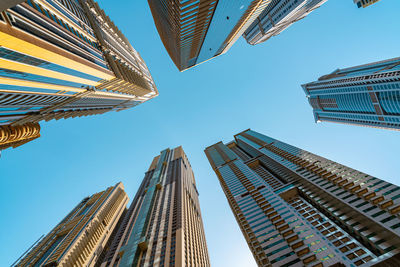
<point>364,3</point>
<point>79,239</point>
<point>277,17</point>
<point>296,208</point>
<point>163,226</point>
<point>63,59</point>
<point>196,31</point>
<point>367,95</point>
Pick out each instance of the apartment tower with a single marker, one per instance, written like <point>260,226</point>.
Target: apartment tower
<point>364,3</point>
<point>163,226</point>
<point>299,209</point>
<point>367,95</point>
<point>196,31</point>
<point>64,59</point>
<point>277,17</point>
<point>80,238</point>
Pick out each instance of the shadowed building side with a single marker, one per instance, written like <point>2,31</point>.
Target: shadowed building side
<point>196,31</point>
<point>296,208</point>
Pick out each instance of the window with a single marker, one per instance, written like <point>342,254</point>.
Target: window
<point>83,211</point>
<point>273,244</point>
<point>378,213</point>
<point>388,219</point>
<point>327,257</point>
<point>315,242</point>
<point>362,204</point>
<point>371,235</point>
<point>319,250</point>
<point>349,195</point>
<point>284,257</point>
<point>383,187</point>
<point>277,250</point>
<point>354,200</point>
<point>391,191</point>
<point>370,208</point>
<point>49,250</point>
<point>395,226</point>
<point>309,236</point>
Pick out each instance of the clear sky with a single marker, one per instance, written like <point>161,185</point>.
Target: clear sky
<point>255,87</point>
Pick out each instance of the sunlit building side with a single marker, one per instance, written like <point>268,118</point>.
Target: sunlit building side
<point>66,59</point>
<point>80,238</point>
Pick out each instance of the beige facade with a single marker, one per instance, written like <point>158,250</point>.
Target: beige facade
<point>63,59</point>
<point>296,208</point>
<point>79,239</point>
<point>14,136</point>
<point>163,226</point>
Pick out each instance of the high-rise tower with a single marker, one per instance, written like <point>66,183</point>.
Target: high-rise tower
<point>63,59</point>
<point>296,208</point>
<point>367,95</point>
<point>364,3</point>
<point>277,17</point>
<point>196,31</point>
<point>163,226</point>
<point>80,238</point>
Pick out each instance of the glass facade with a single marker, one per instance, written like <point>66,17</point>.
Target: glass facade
<point>367,95</point>
<point>197,31</point>
<point>299,209</point>
<point>364,3</point>
<point>163,226</point>
<point>278,16</point>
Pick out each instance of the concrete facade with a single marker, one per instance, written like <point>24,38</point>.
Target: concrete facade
<point>65,59</point>
<point>299,209</point>
<point>80,238</point>
<point>365,95</point>
<point>163,226</point>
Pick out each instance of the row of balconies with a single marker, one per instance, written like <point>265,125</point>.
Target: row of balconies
<point>88,242</point>
<point>340,181</point>
<point>279,223</point>
<point>361,230</point>
<point>344,244</point>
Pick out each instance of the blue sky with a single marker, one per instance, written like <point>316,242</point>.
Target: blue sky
<point>255,87</point>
